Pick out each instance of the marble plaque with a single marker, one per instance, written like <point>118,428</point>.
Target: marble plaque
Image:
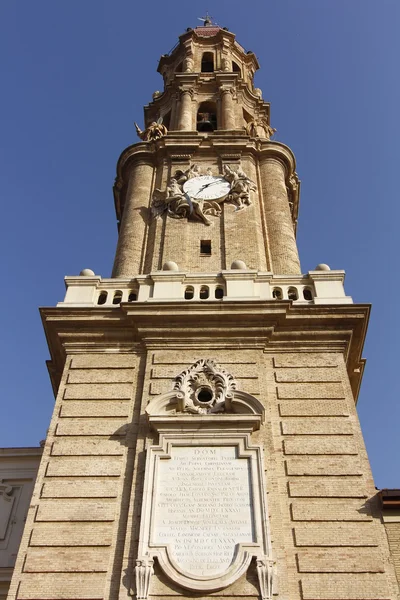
<point>203,507</point>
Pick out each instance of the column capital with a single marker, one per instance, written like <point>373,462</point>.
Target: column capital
<point>185,90</point>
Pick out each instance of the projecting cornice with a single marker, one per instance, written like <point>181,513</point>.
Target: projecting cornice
<point>271,326</point>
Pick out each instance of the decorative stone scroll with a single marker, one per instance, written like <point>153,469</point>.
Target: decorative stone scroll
<point>204,514</point>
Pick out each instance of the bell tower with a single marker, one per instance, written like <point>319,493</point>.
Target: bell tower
<point>205,440</point>
<point>218,125</point>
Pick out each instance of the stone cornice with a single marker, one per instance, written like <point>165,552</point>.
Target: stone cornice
<point>267,325</point>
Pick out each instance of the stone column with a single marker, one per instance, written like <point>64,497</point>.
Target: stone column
<point>130,248</point>
<point>228,109</point>
<point>185,119</point>
<point>281,238</point>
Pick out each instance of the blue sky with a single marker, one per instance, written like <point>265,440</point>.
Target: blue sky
<point>75,75</point>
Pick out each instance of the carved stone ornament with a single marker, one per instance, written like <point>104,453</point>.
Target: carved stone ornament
<point>204,195</point>
<point>155,131</point>
<point>204,388</point>
<point>204,515</point>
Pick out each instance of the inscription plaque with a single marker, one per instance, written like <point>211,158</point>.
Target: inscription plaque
<point>203,507</point>
<point>204,510</point>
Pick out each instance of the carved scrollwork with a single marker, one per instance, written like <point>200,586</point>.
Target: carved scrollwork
<point>204,388</point>
<point>265,572</point>
<point>6,491</point>
<point>143,570</point>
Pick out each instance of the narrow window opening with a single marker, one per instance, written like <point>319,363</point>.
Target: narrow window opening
<point>117,297</point>
<point>205,247</point>
<point>132,297</point>
<point>102,299</point>
<point>204,292</point>
<point>307,294</point>
<point>189,293</point>
<point>179,67</point>
<point>207,62</point>
<point>219,293</point>
<point>292,294</point>
<point>277,294</point>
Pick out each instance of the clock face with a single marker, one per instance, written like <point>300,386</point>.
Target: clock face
<point>207,187</point>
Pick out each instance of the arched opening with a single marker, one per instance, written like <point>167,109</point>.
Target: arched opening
<point>236,68</point>
<point>102,299</point>
<point>219,293</point>
<point>207,62</point>
<point>307,294</point>
<point>292,294</point>
<point>132,296</point>
<point>189,293</point>
<point>117,297</point>
<point>277,293</point>
<point>207,116</point>
<point>204,292</point>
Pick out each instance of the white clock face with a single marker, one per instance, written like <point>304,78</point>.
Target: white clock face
<point>207,187</point>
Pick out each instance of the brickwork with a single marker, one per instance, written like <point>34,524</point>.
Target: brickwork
<point>393,534</point>
<point>321,499</point>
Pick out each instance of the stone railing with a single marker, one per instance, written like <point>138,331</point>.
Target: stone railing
<point>321,286</point>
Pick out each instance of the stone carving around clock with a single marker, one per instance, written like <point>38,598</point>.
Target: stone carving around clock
<point>195,195</point>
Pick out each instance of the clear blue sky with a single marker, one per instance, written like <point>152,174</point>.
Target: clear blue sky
<point>75,74</point>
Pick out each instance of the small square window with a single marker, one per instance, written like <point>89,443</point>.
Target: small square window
<point>205,247</point>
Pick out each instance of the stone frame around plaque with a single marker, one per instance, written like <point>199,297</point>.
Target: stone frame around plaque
<point>230,435</point>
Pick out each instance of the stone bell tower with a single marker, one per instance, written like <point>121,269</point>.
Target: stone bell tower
<point>205,440</point>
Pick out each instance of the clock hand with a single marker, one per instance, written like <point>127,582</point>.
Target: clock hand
<point>205,186</point>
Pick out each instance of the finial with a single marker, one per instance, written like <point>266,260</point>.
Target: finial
<point>207,20</point>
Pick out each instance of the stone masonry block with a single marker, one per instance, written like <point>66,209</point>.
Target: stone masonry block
<point>185,358</point>
<point>340,560</point>
<point>76,426</point>
<point>303,374</point>
<point>344,587</point>
<point>85,447</point>
<point>72,534</point>
<point>80,488</point>
<point>335,534</point>
<point>94,408</point>
<point>333,510</point>
<point>53,586</point>
<point>327,426</point>
<point>305,408</point>
<point>310,390</point>
<point>103,361</point>
<point>99,466</point>
<point>101,375</point>
<point>76,510</point>
<point>98,391</point>
<point>328,488</point>
<point>320,445</point>
<point>246,371</point>
<point>324,465</point>
<point>308,359</point>
<point>65,560</point>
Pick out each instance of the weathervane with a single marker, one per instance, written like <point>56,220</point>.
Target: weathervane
<point>207,20</point>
